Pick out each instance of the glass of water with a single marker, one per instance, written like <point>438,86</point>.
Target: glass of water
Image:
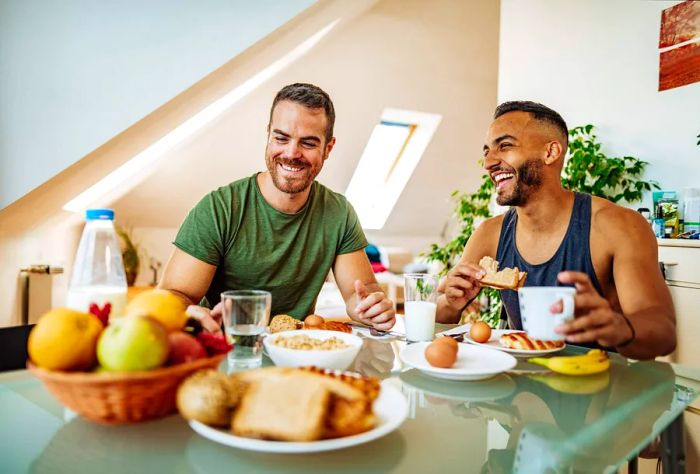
<point>420,303</point>
<point>246,315</point>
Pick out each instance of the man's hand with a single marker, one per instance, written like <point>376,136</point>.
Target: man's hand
<point>462,285</point>
<point>209,319</point>
<point>374,309</point>
<point>594,318</point>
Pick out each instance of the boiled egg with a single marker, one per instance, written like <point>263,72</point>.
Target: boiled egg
<point>448,341</point>
<point>440,354</point>
<point>480,332</point>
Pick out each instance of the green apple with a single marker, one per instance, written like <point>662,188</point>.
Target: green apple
<point>133,343</point>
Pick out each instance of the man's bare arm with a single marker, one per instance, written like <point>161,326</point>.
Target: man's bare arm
<point>462,282</point>
<point>364,299</point>
<point>644,297</point>
<point>187,277</point>
<point>645,327</point>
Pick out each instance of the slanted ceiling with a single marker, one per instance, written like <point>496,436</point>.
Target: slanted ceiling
<point>438,57</point>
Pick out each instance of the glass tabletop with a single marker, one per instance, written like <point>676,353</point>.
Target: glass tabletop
<point>523,421</point>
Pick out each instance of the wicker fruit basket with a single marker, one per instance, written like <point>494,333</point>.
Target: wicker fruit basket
<point>126,397</point>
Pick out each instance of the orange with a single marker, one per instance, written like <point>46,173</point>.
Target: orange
<point>161,305</point>
<point>64,339</point>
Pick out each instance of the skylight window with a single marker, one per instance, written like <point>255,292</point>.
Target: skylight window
<point>394,149</point>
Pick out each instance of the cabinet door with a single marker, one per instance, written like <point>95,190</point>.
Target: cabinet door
<point>687,303</point>
<point>686,299</point>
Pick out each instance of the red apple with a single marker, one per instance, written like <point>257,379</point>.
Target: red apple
<point>184,348</point>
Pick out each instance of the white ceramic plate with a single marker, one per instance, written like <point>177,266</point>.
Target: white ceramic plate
<point>473,363</point>
<point>390,407</point>
<point>497,387</point>
<point>493,343</point>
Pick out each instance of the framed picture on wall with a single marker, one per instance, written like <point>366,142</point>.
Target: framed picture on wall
<point>679,62</point>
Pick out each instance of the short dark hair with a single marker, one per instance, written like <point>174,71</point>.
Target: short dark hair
<point>310,96</point>
<point>538,112</point>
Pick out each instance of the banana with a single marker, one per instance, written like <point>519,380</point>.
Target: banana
<point>593,362</point>
<point>579,385</point>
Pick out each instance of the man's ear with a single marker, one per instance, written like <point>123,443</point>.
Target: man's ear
<point>329,147</point>
<point>554,152</point>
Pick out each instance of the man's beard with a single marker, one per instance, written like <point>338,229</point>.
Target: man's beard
<point>528,180</point>
<point>287,185</point>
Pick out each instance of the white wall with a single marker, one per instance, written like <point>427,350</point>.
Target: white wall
<point>76,73</point>
<point>155,243</point>
<point>597,61</point>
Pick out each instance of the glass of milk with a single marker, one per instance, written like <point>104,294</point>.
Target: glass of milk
<point>420,303</point>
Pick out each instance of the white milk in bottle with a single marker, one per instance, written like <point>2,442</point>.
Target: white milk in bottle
<point>98,272</point>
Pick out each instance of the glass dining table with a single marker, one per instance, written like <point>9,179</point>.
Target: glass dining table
<point>524,421</point>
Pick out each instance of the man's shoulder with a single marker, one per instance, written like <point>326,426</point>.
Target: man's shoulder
<point>491,227</point>
<point>617,223</point>
<point>607,213</point>
<point>330,199</point>
<point>237,188</point>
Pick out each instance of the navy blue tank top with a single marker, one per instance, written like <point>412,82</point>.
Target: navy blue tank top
<point>573,254</point>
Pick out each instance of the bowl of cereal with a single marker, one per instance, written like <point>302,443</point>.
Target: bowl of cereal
<point>327,349</point>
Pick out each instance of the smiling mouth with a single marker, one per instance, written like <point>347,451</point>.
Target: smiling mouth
<point>501,179</point>
<point>291,169</point>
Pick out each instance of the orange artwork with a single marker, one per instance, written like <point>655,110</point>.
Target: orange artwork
<point>679,66</point>
<point>680,23</point>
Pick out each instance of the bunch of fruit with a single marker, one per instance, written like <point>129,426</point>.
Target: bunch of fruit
<point>592,362</point>
<point>153,331</point>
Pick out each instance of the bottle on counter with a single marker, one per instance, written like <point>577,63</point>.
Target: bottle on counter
<point>98,271</point>
<point>691,211</point>
<point>659,223</point>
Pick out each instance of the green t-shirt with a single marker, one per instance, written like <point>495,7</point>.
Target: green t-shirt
<point>256,247</point>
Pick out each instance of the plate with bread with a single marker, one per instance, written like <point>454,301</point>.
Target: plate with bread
<point>290,410</point>
<point>285,322</point>
<point>517,343</point>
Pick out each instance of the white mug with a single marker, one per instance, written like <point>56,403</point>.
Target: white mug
<point>537,318</point>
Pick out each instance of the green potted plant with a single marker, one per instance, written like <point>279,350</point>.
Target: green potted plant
<point>130,254</point>
<point>587,169</point>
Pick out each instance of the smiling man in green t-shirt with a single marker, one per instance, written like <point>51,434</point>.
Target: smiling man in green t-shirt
<point>280,230</point>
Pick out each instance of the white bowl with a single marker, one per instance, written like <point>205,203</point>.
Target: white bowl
<point>338,359</point>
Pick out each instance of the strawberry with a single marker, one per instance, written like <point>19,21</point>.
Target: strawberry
<point>101,314</point>
<point>214,344</point>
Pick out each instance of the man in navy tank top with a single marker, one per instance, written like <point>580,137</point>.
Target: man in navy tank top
<point>559,237</point>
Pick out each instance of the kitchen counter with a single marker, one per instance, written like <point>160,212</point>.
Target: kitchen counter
<point>678,243</point>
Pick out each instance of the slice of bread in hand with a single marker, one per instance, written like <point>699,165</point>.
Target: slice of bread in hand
<point>507,278</point>
<point>286,408</point>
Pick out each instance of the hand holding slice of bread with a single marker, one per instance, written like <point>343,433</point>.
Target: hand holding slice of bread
<point>504,279</point>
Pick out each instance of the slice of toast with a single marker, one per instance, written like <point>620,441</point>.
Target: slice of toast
<point>284,408</point>
<point>507,278</point>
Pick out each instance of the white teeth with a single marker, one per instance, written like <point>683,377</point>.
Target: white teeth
<point>289,168</point>
<point>500,177</point>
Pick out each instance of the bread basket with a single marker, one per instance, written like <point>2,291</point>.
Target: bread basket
<point>121,397</point>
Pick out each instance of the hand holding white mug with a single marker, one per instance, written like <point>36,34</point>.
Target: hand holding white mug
<point>536,310</point>
<point>595,320</point>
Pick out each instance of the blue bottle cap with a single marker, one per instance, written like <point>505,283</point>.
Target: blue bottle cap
<point>99,214</point>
